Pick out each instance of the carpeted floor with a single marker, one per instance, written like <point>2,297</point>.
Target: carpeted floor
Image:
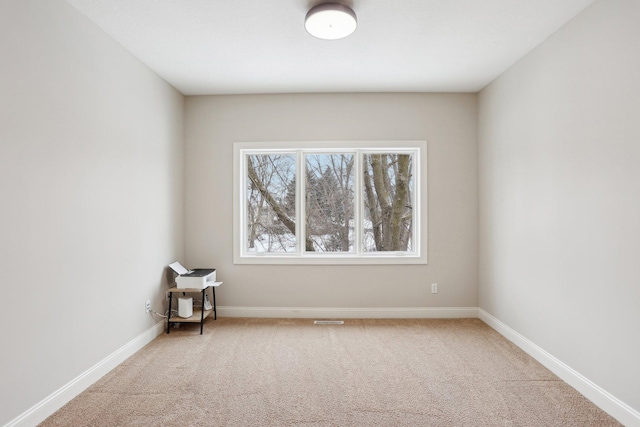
<point>290,372</point>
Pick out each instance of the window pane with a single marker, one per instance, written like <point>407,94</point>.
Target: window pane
<point>329,202</point>
<point>388,202</point>
<point>271,203</point>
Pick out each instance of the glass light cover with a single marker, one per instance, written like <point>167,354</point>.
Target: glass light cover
<point>330,21</point>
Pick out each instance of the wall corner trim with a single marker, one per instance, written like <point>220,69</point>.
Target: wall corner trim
<point>600,397</point>
<point>56,400</point>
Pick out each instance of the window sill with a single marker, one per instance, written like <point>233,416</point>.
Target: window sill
<point>377,259</point>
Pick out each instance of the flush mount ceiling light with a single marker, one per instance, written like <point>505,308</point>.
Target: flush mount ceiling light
<point>330,21</point>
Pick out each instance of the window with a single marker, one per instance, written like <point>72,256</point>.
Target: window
<point>329,203</point>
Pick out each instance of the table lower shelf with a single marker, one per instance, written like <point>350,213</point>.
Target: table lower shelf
<point>198,315</point>
<point>195,318</point>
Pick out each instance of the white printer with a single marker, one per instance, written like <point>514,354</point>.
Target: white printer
<point>198,278</point>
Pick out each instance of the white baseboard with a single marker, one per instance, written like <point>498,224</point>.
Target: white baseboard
<point>603,399</point>
<point>350,313</point>
<point>40,411</point>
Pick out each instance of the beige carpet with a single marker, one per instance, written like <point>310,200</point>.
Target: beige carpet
<point>290,372</point>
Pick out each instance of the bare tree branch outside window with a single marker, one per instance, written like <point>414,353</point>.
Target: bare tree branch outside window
<point>387,205</point>
<point>388,202</point>
<point>270,225</point>
<point>329,202</point>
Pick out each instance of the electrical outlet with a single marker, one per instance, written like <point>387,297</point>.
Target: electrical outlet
<point>434,288</point>
<point>147,306</point>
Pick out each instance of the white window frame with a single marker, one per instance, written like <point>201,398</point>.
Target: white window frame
<point>419,241</point>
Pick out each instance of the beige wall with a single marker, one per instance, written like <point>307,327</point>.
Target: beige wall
<point>447,122</point>
<point>91,177</point>
<point>559,158</point>
<point>91,146</point>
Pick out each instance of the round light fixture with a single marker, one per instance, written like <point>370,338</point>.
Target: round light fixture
<point>330,21</point>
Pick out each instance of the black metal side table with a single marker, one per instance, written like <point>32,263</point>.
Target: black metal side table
<point>199,314</point>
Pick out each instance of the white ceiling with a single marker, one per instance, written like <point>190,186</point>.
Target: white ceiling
<point>260,46</point>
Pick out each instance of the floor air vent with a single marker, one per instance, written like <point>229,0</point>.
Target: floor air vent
<point>328,322</point>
